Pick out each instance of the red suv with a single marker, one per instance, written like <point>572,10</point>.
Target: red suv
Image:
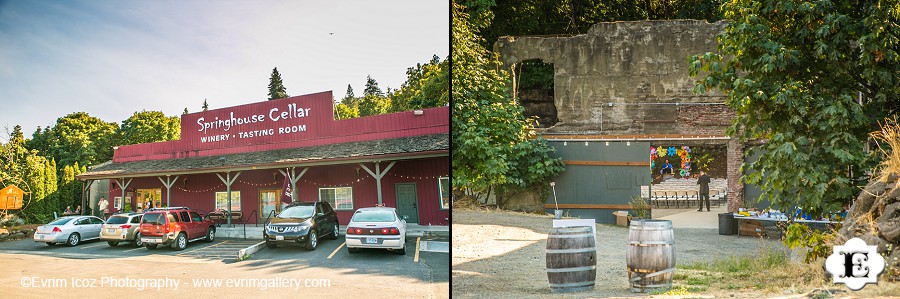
<point>175,226</point>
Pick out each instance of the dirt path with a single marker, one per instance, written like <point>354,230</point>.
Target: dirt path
<point>502,254</point>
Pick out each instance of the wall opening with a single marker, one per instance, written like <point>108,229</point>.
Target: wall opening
<point>535,91</point>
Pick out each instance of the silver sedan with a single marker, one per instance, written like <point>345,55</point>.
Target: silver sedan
<point>70,230</point>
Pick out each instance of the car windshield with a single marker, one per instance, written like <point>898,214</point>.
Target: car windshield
<point>60,221</point>
<point>298,212</point>
<point>117,220</point>
<point>374,216</point>
<point>154,219</point>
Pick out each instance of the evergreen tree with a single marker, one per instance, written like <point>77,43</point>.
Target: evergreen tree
<point>205,106</point>
<point>372,88</point>
<point>185,111</point>
<point>276,87</point>
<point>349,93</point>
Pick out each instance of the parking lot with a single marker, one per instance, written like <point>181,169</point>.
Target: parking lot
<point>425,274</point>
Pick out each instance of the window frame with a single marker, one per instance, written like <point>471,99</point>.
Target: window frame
<point>441,193</point>
<point>335,205</point>
<point>225,204</point>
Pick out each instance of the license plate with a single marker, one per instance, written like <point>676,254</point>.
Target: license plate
<point>279,238</point>
<point>145,240</point>
<point>372,240</point>
<point>41,237</point>
<point>111,230</point>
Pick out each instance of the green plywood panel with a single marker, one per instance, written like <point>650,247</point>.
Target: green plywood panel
<point>594,184</point>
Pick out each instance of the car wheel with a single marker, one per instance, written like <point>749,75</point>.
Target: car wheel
<point>137,240</point>
<point>180,242</point>
<point>51,243</point>
<point>312,241</point>
<point>271,244</point>
<point>210,234</point>
<point>352,250</point>
<point>151,246</point>
<point>112,243</point>
<point>334,234</point>
<point>74,239</point>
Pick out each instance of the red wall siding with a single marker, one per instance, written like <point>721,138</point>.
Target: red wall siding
<point>321,127</point>
<point>198,191</point>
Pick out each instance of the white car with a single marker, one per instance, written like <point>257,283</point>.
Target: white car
<point>70,230</point>
<point>378,227</point>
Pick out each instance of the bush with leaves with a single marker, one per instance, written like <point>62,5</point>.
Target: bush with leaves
<point>811,79</point>
<point>492,142</point>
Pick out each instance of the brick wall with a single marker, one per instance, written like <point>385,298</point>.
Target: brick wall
<point>735,187</point>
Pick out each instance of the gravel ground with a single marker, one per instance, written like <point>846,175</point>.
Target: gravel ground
<point>502,254</point>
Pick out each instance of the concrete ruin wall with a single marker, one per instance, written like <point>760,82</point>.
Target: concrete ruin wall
<point>640,68</point>
<point>625,78</point>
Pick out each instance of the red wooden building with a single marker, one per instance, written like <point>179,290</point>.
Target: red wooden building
<point>258,150</point>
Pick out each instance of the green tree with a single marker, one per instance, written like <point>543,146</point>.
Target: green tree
<point>205,105</point>
<point>276,87</point>
<point>372,88</point>
<point>150,126</point>
<point>547,17</point>
<point>426,86</point>
<point>344,111</point>
<point>77,137</point>
<point>492,143</point>
<point>32,173</point>
<point>349,94</point>
<point>811,78</point>
<point>373,105</point>
<point>348,107</point>
<point>185,111</point>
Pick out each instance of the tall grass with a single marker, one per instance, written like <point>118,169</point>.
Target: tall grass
<point>888,142</point>
<point>767,270</point>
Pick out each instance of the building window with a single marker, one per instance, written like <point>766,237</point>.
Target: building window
<point>444,186</point>
<point>222,200</point>
<point>341,198</point>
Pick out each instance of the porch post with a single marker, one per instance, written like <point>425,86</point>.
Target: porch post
<point>85,186</point>
<point>169,182</point>
<point>228,180</point>
<point>124,185</point>
<point>378,174</point>
<point>294,177</point>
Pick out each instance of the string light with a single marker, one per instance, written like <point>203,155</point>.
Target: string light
<point>201,191</point>
<point>317,184</point>
<point>335,184</point>
<point>259,185</point>
<point>419,177</point>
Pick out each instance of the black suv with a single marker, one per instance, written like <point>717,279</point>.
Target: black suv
<point>302,223</point>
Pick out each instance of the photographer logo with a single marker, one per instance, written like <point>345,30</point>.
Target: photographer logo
<point>855,264</point>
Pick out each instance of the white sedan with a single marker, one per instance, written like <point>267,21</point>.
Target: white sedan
<point>378,227</point>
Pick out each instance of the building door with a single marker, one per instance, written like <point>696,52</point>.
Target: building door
<point>407,203</point>
<point>269,200</point>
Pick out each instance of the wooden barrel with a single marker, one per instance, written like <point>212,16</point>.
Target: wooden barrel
<point>571,259</point>
<point>650,255</point>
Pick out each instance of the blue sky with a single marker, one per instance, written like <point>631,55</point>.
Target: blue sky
<point>112,58</point>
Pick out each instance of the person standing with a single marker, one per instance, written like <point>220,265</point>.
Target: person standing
<point>668,166</point>
<point>703,181</point>
<point>103,206</point>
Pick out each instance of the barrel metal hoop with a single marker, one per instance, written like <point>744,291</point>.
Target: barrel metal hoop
<point>639,243</point>
<point>573,269</point>
<point>572,284</point>
<point>661,272</point>
<point>638,228</point>
<point>570,236</point>
<point>572,250</point>
<point>650,286</point>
